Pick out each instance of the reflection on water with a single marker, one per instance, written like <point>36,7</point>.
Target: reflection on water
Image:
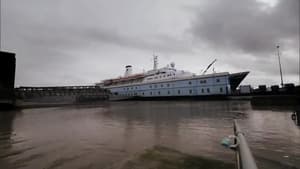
<point>96,137</point>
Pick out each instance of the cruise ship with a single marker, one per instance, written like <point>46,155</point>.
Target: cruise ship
<point>168,82</point>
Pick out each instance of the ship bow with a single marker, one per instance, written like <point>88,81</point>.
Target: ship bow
<point>235,79</point>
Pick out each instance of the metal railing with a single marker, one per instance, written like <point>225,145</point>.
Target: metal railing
<point>244,156</point>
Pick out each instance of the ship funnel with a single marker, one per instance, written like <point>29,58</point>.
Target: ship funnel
<point>172,65</point>
<point>128,70</point>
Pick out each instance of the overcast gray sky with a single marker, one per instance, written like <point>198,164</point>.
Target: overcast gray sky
<point>79,42</point>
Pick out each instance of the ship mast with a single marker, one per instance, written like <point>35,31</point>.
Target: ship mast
<point>155,62</point>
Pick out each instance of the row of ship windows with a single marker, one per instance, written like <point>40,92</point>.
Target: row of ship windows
<point>178,92</point>
<point>167,85</point>
<point>163,76</point>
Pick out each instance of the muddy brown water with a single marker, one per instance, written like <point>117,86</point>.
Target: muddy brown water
<point>97,136</point>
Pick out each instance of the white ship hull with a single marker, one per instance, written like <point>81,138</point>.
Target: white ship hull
<point>207,85</point>
<point>168,82</point>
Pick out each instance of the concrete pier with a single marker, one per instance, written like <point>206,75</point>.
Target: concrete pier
<point>59,95</point>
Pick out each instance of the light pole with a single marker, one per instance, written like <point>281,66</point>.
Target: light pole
<point>0,24</point>
<point>278,53</point>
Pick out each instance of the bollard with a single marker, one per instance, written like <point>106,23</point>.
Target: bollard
<point>298,117</point>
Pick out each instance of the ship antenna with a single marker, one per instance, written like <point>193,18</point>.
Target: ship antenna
<point>155,62</point>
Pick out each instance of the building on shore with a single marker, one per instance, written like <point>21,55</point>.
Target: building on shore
<point>7,79</point>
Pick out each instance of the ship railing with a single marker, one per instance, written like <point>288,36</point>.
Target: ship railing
<point>238,143</point>
<point>244,157</point>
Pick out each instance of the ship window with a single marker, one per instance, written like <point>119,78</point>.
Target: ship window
<point>190,82</point>
<point>207,90</point>
<point>135,87</point>
<point>124,88</point>
<point>150,86</point>
<point>143,93</point>
<point>202,90</point>
<point>221,90</point>
<point>191,91</point>
<point>155,86</point>
<point>150,93</point>
<point>202,81</point>
<point>131,88</point>
<point>217,80</point>
<point>178,91</point>
<point>127,88</point>
<point>162,85</point>
<point>168,85</point>
<point>158,92</point>
<point>168,92</point>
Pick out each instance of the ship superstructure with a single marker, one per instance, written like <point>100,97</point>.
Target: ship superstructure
<point>169,82</point>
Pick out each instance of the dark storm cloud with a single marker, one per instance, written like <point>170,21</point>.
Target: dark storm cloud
<point>64,38</point>
<point>248,26</point>
<point>79,42</point>
<point>59,24</point>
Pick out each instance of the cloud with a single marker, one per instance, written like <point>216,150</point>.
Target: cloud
<point>247,26</point>
<point>53,39</point>
<point>78,42</point>
<point>244,35</point>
